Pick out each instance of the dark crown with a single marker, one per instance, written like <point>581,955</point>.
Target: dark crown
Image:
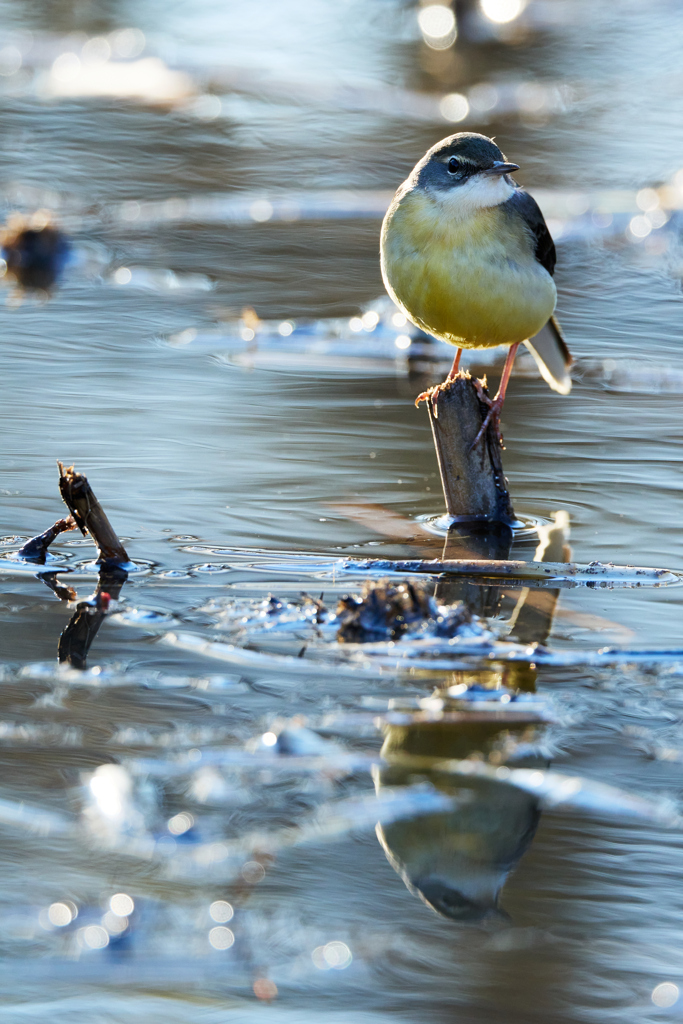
<point>469,146</point>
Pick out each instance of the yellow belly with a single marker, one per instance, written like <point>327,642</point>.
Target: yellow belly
<point>474,283</point>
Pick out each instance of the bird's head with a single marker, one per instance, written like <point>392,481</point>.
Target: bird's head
<point>467,171</point>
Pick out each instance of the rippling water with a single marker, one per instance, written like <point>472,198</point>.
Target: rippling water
<point>157,773</point>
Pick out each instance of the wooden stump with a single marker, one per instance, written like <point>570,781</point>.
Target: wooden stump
<point>472,477</point>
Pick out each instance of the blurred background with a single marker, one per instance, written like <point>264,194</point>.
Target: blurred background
<point>214,352</point>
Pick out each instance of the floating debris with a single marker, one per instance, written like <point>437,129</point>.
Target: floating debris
<point>386,611</point>
<point>35,252</point>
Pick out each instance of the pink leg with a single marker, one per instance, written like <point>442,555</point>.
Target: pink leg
<point>497,403</point>
<point>452,374</point>
<point>456,364</point>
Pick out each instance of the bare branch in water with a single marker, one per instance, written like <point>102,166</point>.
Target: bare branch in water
<point>593,573</point>
<point>90,517</point>
<point>35,550</point>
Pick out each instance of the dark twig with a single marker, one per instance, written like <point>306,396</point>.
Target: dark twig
<point>35,550</point>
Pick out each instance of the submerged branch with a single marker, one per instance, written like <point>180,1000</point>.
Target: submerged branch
<point>35,550</point>
<point>593,573</point>
<point>302,563</point>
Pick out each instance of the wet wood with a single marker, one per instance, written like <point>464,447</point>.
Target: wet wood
<point>472,475</point>
<point>35,549</point>
<point>90,517</point>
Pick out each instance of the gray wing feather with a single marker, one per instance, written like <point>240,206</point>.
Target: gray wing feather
<point>552,356</point>
<point>548,346</point>
<point>521,204</point>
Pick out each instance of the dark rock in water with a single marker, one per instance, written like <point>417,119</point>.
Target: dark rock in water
<point>387,611</point>
<point>35,252</point>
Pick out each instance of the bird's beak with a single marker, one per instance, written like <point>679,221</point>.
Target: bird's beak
<point>500,167</point>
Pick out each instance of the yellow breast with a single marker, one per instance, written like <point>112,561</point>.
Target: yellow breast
<point>473,281</point>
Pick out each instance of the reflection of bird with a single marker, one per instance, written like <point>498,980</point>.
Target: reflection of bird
<point>467,256</point>
<point>458,862</point>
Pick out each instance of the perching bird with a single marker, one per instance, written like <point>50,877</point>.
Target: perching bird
<point>467,256</point>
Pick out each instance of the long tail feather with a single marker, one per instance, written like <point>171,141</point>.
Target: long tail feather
<point>552,356</point>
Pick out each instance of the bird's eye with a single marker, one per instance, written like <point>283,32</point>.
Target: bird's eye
<point>455,168</point>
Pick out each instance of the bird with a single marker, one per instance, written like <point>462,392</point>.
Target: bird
<point>467,256</point>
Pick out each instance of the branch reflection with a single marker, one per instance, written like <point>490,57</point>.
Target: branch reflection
<point>77,637</point>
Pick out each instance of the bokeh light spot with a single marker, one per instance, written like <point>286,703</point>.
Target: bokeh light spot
<point>221,937</point>
<point>335,955</point>
<point>221,911</point>
<point>261,210</point>
<point>265,989</point>
<point>483,97</point>
<point>114,924</point>
<point>66,67</point>
<point>454,107</point>
<point>207,107</point>
<point>129,42</point>
<point>10,60</point>
<point>647,199</point>
<point>181,823</point>
<point>253,872</point>
<point>502,11</point>
<point>640,227</point>
<point>94,936</point>
<point>123,275</point>
<point>60,915</point>
<point>665,995</point>
<point>121,904</point>
<point>438,26</point>
<point>96,49</point>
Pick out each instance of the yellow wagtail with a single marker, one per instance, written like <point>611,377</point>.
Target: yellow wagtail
<point>467,256</point>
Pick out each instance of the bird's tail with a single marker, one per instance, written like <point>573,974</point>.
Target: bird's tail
<point>552,356</point>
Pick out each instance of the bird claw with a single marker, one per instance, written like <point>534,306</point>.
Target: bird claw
<point>424,396</point>
<point>435,391</point>
<point>492,416</point>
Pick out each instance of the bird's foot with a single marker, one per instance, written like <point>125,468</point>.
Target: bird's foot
<point>493,415</point>
<point>436,390</point>
<point>425,395</point>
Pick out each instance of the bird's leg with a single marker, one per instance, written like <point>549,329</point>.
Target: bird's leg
<point>496,404</point>
<point>452,374</point>
<point>454,368</point>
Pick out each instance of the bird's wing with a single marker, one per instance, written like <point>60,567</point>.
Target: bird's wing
<point>548,346</point>
<point>552,356</point>
<point>526,207</point>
